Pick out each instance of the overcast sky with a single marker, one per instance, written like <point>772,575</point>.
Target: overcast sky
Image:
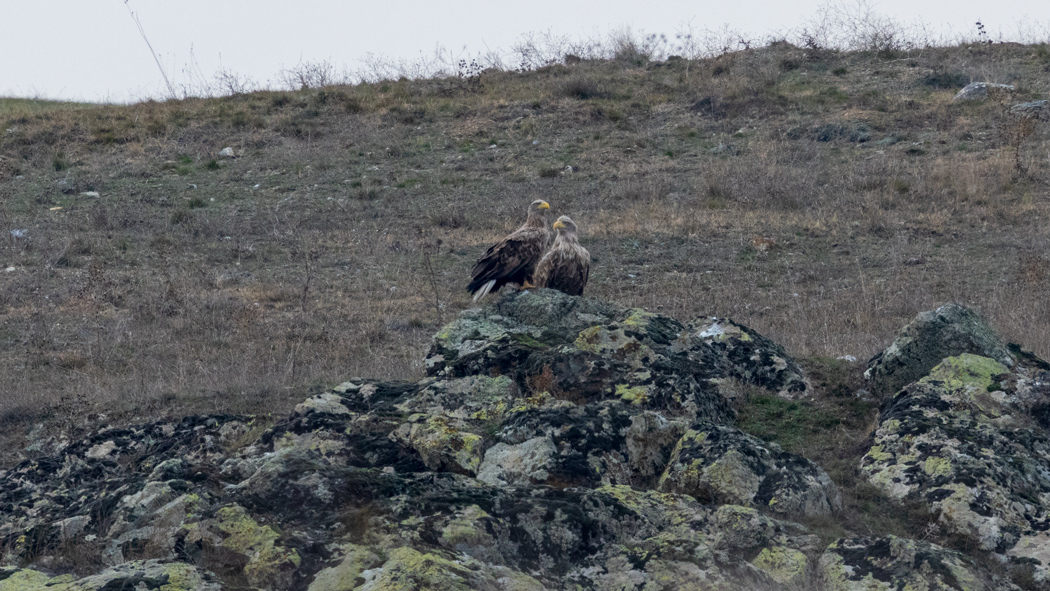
<point>92,50</point>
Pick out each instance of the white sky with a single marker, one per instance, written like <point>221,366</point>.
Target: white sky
<point>91,49</point>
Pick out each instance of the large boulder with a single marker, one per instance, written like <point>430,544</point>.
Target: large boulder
<point>891,563</point>
<point>722,465</point>
<point>979,91</point>
<point>965,440</point>
<point>143,574</point>
<point>558,443</point>
<point>947,331</point>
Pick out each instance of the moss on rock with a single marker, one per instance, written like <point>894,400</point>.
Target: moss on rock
<point>268,562</point>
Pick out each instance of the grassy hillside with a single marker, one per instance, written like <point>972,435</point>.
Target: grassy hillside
<point>822,197</point>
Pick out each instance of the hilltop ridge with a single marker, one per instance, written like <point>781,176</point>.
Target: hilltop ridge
<point>821,197</point>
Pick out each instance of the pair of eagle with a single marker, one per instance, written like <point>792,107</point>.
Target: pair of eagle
<point>523,258</point>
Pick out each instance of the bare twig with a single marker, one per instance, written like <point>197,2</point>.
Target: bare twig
<point>135,17</point>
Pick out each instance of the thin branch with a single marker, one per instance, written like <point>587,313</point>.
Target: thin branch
<point>142,32</point>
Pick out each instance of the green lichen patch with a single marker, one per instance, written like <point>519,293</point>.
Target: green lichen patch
<point>723,465</point>
<point>266,559</point>
<point>632,394</point>
<point>784,565</point>
<point>25,580</point>
<point>442,445</point>
<point>615,343</point>
<point>407,568</point>
<point>467,533</point>
<point>346,573</point>
<point>967,372</point>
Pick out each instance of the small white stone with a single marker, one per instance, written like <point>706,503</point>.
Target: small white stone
<point>226,152</point>
<point>90,194</point>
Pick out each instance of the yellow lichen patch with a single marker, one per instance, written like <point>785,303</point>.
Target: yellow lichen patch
<point>467,530</point>
<point>588,339</point>
<point>409,569</point>
<point>26,579</point>
<point>967,371</point>
<point>601,340</point>
<point>877,454</point>
<point>266,559</point>
<point>730,476</point>
<point>356,559</point>
<point>442,446</point>
<point>784,565</point>
<point>638,318</point>
<point>890,426</point>
<point>935,466</point>
<point>632,394</point>
<point>181,577</point>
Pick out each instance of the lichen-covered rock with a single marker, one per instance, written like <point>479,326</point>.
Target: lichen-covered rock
<point>977,91</point>
<point>589,445</point>
<point>441,445</point>
<point>96,483</point>
<point>266,562</point>
<point>892,563</point>
<point>722,465</point>
<point>548,449</point>
<point>601,538</point>
<point>585,351</point>
<point>945,332</point>
<point>962,439</point>
<point>750,356</point>
<point>350,425</point>
<point>145,574</point>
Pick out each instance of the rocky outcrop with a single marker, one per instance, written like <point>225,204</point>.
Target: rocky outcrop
<point>558,443</point>
<point>144,574</point>
<point>979,91</point>
<point>949,330</point>
<point>722,465</point>
<point>969,439</point>
<point>890,563</point>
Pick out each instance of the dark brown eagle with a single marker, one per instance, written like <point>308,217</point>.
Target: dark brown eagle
<point>513,259</point>
<point>566,265</point>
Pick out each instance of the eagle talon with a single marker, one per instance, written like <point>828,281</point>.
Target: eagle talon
<point>527,285</point>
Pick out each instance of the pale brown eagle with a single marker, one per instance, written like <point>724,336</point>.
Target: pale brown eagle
<point>513,259</point>
<point>566,265</point>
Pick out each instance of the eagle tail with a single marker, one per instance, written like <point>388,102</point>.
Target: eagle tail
<point>484,289</point>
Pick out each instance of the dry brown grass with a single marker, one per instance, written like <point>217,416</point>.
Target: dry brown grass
<point>341,236</point>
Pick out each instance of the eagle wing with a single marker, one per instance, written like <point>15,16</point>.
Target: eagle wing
<point>511,260</point>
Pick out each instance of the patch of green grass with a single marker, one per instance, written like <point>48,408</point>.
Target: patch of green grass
<point>791,424</point>
<point>17,107</point>
<point>59,162</point>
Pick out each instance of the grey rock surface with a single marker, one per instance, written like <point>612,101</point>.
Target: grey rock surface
<point>559,443</point>
<point>976,91</point>
<point>933,336</point>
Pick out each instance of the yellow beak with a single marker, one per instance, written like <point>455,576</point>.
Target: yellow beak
<point>558,224</point>
<point>545,205</point>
